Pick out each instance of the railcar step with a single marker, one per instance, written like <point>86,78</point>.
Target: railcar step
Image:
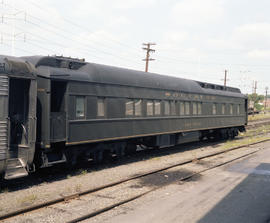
<point>15,168</point>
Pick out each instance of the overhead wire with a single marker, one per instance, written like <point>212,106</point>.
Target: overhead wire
<point>88,49</point>
<point>72,40</point>
<point>18,48</point>
<point>77,25</point>
<point>48,41</point>
<point>212,63</point>
<point>68,32</point>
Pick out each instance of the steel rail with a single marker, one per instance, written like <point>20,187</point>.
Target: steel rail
<point>103,210</point>
<point>89,191</point>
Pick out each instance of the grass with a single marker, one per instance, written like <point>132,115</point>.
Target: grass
<point>83,172</point>
<point>250,136</point>
<point>29,199</point>
<point>258,116</point>
<point>230,144</point>
<point>255,131</point>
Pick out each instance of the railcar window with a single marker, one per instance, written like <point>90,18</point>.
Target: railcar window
<point>166,108</point>
<point>194,110</point>
<point>150,108</point>
<point>173,109</point>
<point>101,107</point>
<point>238,109</point>
<point>157,107</point>
<point>223,109</point>
<point>138,107</point>
<point>214,109</point>
<point>129,108</point>
<point>80,107</point>
<point>199,108</point>
<point>231,109</point>
<point>182,108</point>
<point>187,106</point>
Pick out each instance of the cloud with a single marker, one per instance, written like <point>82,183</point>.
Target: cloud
<point>103,8</point>
<point>119,21</point>
<point>132,4</point>
<point>250,40</point>
<point>259,54</point>
<point>173,39</point>
<point>196,12</point>
<point>254,35</point>
<point>223,44</point>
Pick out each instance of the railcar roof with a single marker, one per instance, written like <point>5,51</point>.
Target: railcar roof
<point>78,70</point>
<point>14,66</point>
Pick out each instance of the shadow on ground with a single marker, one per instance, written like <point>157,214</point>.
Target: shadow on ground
<point>248,202</point>
<point>165,178</point>
<point>60,172</point>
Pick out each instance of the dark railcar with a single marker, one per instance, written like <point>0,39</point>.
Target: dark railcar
<point>18,90</point>
<point>85,109</point>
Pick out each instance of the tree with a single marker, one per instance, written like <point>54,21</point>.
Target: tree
<point>255,99</point>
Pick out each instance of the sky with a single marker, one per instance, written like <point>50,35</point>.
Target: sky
<point>195,39</point>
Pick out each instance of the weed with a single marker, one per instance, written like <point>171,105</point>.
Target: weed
<point>243,142</point>
<point>83,172</point>
<point>28,199</point>
<point>78,187</point>
<point>258,117</point>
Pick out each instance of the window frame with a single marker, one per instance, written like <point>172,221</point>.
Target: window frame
<point>231,109</point>
<point>199,105</point>
<point>214,108</point>
<point>104,107</point>
<point>238,109</point>
<point>132,106</point>
<point>155,106</point>
<point>172,108</point>
<point>223,109</point>
<point>84,107</point>
<point>182,108</point>
<point>187,105</point>
<point>194,111</point>
<point>135,107</point>
<point>167,102</point>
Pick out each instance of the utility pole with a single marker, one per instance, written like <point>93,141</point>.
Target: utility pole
<point>225,78</point>
<point>265,100</point>
<point>254,99</point>
<point>255,87</point>
<point>148,50</point>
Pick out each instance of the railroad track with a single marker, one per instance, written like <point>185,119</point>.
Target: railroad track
<point>252,124</point>
<point>122,181</point>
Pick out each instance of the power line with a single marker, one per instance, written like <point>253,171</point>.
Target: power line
<point>17,48</point>
<point>64,36</point>
<point>60,28</point>
<point>85,46</point>
<point>212,63</point>
<point>77,25</point>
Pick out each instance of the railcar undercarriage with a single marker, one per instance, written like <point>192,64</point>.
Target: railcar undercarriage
<point>97,152</point>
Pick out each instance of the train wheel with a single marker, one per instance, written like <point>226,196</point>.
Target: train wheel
<point>217,135</point>
<point>98,157</point>
<point>235,132</point>
<point>120,151</point>
<point>130,149</point>
<point>224,134</point>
